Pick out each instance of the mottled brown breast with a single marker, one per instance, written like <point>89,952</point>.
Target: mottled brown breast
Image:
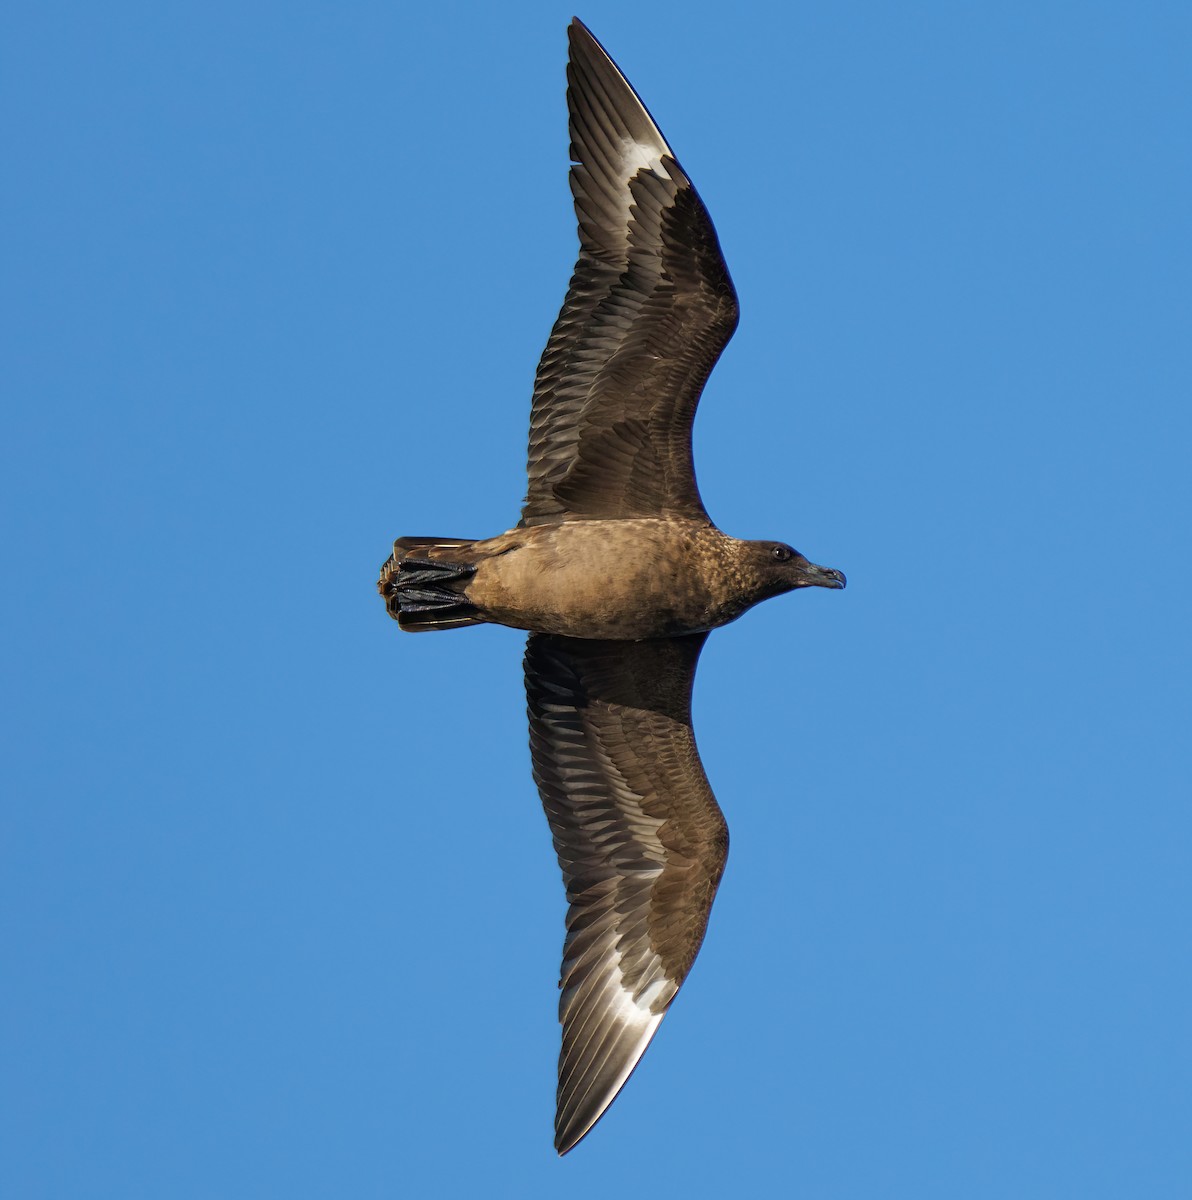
<point>624,579</point>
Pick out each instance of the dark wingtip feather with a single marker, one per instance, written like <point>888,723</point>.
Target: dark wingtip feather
<point>588,1094</point>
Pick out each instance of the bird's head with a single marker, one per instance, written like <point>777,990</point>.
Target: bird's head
<point>785,569</point>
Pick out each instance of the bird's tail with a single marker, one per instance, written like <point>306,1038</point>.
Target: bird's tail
<point>423,583</point>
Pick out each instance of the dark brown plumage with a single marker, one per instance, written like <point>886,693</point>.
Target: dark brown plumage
<point>640,839</point>
<point>618,574</point>
<point>649,310</point>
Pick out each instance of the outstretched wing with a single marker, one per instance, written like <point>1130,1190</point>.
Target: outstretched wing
<point>641,842</point>
<point>649,310</point>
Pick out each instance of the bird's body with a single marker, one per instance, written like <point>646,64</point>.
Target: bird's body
<point>632,579</point>
<point>618,574</point>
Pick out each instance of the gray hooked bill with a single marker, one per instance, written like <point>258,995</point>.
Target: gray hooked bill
<point>812,575</point>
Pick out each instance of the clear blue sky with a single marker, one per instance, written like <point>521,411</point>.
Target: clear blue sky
<point>281,916</point>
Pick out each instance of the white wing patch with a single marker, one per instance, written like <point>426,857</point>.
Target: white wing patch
<point>635,158</point>
<point>635,155</point>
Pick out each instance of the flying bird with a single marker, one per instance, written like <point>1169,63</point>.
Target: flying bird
<point>618,574</point>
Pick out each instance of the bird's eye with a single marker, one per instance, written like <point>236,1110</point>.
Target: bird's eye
<point>780,553</point>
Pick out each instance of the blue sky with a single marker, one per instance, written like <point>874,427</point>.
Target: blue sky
<point>280,913</point>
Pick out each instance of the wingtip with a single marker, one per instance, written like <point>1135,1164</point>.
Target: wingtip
<point>571,1128</point>
<point>578,34</point>
<point>570,1134</point>
<point>579,1113</point>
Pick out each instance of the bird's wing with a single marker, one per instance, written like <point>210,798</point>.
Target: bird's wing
<point>641,842</point>
<point>649,310</point>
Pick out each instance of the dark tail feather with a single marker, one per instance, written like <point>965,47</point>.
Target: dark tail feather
<point>423,583</point>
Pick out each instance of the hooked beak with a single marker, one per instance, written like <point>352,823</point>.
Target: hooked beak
<point>809,575</point>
